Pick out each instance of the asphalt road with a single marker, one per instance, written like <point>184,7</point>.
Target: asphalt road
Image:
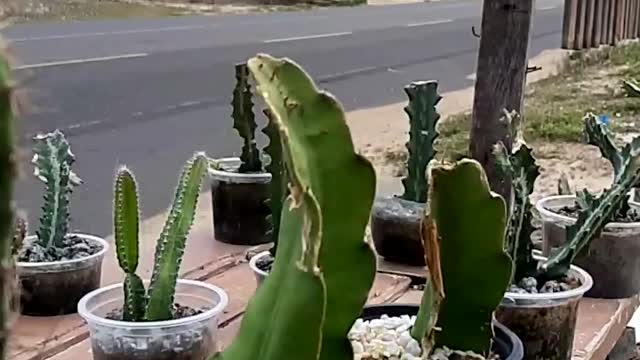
<point>148,93</point>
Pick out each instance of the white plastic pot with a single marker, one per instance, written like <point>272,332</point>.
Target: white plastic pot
<point>54,288</point>
<point>260,275</point>
<point>195,335</point>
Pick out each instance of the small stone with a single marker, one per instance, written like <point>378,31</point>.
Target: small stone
<point>404,338</point>
<point>413,348</point>
<point>357,347</point>
<point>528,283</point>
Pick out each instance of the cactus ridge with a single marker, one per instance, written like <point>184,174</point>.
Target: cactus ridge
<point>53,160</point>
<point>278,185</point>
<point>126,220</point>
<point>423,120</point>
<point>171,244</point>
<point>598,134</point>
<point>244,121</point>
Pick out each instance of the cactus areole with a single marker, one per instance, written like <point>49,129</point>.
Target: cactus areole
<point>56,268</point>
<point>396,221</point>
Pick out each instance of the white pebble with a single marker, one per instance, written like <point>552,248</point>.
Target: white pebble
<point>384,338</point>
<point>413,348</point>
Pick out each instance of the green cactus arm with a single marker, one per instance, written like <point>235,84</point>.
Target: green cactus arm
<point>323,169</point>
<point>598,134</point>
<point>172,241</point>
<point>53,160</point>
<point>423,120</point>
<point>134,298</point>
<point>7,178</point>
<point>471,223</point>
<point>244,121</point>
<point>521,167</point>
<point>278,185</point>
<point>592,220</point>
<point>126,220</point>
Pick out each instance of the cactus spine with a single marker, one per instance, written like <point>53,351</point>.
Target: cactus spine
<point>157,303</point>
<point>7,176</point>
<point>423,119</point>
<point>53,160</point>
<point>244,121</point>
<point>278,185</point>
<point>321,251</point>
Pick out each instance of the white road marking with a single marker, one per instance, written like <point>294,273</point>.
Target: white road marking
<point>109,33</point>
<point>547,8</point>
<point>318,36</point>
<point>79,61</point>
<point>432,22</point>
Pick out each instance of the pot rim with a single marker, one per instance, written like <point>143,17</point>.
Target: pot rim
<point>91,318</point>
<point>586,282</point>
<point>35,265</point>
<point>547,213</point>
<point>235,177</point>
<point>254,260</point>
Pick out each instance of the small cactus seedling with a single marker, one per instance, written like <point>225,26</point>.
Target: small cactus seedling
<point>423,120</point>
<point>53,160</point>
<point>244,121</point>
<point>156,304</point>
<point>464,229</point>
<point>564,188</point>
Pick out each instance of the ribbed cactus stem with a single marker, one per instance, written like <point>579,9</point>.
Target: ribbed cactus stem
<point>7,175</point>
<point>172,241</point>
<point>244,121</point>
<point>19,234</point>
<point>278,186</point>
<point>521,167</point>
<point>598,134</point>
<point>423,120</point>
<point>53,160</point>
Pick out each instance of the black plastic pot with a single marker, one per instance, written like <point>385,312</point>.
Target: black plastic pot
<point>506,343</point>
<point>395,229</point>
<point>239,201</point>
<point>54,288</point>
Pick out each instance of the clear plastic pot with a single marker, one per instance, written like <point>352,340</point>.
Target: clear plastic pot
<point>190,338</point>
<point>259,273</point>
<point>239,201</point>
<point>54,288</point>
<point>613,259</point>
<point>545,323</point>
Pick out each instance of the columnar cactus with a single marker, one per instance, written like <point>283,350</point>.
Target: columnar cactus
<point>423,120</point>
<point>244,121</point>
<point>278,184</point>
<point>321,250</point>
<point>157,303</point>
<point>465,230</point>
<point>53,160</point>
<point>521,167</point>
<point>7,176</point>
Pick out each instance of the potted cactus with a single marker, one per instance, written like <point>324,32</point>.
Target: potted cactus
<point>56,268</point>
<point>170,318</point>
<point>324,269</point>
<point>395,221</point>
<point>613,257</point>
<point>240,186</point>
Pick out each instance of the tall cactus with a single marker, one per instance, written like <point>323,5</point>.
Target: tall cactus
<point>423,120</point>
<point>321,248</point>
<point>521,167</point>
<point>278,185</point>
<point>596,212</point>
<point>53,160</point>
<point>158,302</point>
<point>469,223</point>
<point>244,121</point>
<point>7,175</point>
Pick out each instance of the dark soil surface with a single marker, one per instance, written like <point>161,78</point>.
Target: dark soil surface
<point>447,354</point>
<point>179,312</point>
<point>265,263</point>
<point>630,216</point>
<point>530,285</point>
<point>73,247</point>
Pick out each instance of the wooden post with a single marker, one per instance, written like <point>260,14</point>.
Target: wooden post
<point>590,22</point>
<point>569,24</point>
<point>596,40</point>
<point>619,21</point>
<point>500,81</point>
<point>636,15</point>
<point>606,25</point>
<point>580,24</point>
